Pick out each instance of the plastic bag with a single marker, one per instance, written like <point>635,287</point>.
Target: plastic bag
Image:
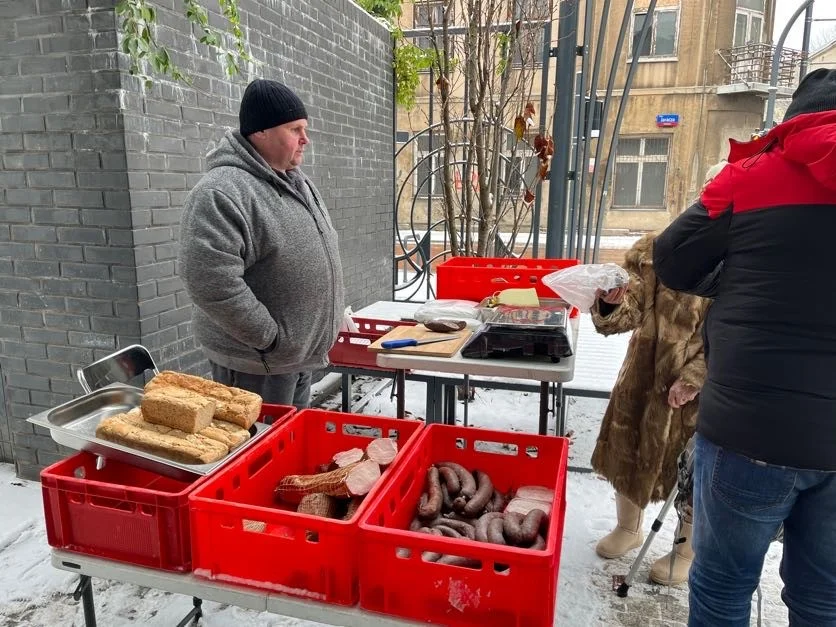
<point>449,309</point>
<point>578,285</point>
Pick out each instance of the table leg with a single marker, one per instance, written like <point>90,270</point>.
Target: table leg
<point>466,397</point>
<point>84,591</point>
<point>560,401</point>
<point>346,390</point>
<point>544,407</point>
<point>433,402</point>
<point>194,615</point>
<point>400,390</point>
<point>450,404</point>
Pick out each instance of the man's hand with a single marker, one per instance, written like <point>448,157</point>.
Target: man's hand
<point>613,297</point>
<point>681,393</point>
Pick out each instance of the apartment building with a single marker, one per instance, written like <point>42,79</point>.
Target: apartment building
<point>702,78</point>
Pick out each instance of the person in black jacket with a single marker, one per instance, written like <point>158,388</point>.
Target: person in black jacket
<point>760,242</point>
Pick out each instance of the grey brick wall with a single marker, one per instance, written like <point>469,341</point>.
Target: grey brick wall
<point>95,170</point>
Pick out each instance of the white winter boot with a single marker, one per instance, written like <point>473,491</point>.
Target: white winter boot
<point>627,535</point>
<point>661,571</point>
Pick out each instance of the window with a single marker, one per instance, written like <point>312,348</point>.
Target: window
<point>640,171</point>
<point>660,40</point>
<point>748,22</point>
<point>528,49</point>
<point>428,14</point>
<point>427,174</point>
<point>423,11</point>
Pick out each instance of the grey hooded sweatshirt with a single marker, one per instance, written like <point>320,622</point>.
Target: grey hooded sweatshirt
<point>259,258</point>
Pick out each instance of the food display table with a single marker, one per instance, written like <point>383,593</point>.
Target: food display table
<point>201,589</point>
<point>546,373</point>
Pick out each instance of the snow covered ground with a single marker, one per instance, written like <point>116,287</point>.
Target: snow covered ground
<point>33,593</point>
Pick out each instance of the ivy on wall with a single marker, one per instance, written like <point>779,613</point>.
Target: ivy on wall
<point>138,42</point>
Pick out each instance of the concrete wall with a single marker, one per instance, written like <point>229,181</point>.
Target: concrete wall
<point>95,171</point>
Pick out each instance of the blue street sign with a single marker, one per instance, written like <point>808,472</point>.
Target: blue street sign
<point>667,119</point>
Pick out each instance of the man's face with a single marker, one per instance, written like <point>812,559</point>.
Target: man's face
<point>282,146</point>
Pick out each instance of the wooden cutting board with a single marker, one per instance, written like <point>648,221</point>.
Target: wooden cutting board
<point>420,332</point>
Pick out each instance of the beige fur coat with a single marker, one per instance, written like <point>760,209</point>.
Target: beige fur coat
<point>641,436</point>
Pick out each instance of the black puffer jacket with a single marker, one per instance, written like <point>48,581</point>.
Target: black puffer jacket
<point>761,241</point>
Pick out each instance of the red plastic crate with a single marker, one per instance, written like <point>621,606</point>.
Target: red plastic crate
<point>475,278</point>
<point>277,413</point>
<point>352,348</point>
<point>240,535</point>
<point>120,512</point>
<point>514,587</point>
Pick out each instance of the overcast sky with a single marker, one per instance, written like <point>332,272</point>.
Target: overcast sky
<point>821,32</point>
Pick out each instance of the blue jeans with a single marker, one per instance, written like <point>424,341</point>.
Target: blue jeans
<point>739,505</point>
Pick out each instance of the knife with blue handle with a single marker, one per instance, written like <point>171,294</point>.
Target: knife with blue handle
<point>389,344</point>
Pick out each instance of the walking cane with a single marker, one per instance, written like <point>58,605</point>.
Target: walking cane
<point>621,584</point>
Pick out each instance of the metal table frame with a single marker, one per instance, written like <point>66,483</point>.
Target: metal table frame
<point>548,374</point>
<point>441,399</point>
<point>200,590</point>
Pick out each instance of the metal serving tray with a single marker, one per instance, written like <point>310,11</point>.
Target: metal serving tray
<point>74,423</point>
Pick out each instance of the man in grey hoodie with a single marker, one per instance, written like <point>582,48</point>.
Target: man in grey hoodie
<point>259,255</point>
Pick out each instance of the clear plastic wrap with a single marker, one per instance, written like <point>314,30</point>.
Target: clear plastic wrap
<point>449,309</point>
<point>578,285</point>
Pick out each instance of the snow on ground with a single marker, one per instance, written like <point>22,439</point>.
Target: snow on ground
<point>34,594</point>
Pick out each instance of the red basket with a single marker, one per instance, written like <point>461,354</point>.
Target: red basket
<point>352,348</point>
<point>277,413</point>
<point>514,587</point>
<point>240,535</point>
<point>475,278</point>
<point>120,512</point>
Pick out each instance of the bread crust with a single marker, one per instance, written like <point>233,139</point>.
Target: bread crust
<point>234,405</point>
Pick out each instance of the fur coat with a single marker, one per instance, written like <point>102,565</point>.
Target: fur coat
<point>641,435</point>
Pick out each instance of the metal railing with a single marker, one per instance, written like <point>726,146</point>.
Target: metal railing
<point>752,63</point>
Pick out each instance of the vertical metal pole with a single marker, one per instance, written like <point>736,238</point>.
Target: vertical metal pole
<point>593,97</point>
<point>622,107</point>
<point>605,114</point>
<point>567,41</point>
<point>544,93</point>
<point>583,130</point>
<point>394,179</point>
<point>430,169</point>
<point>805,42</point>
<point>776,59</point>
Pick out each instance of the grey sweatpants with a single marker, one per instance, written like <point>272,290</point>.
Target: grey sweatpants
<point>277,389</point>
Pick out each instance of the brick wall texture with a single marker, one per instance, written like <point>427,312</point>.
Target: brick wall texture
<point>95,169</point>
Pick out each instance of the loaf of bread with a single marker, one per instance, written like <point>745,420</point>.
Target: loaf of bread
<point>233,405</point>
<point>226,432</point>
<point>187,448</point>
<point>178,408</point>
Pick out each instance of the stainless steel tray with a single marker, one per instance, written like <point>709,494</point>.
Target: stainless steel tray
<point>74,423</point>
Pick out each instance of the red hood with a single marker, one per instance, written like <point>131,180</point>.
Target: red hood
<point>808,139</point>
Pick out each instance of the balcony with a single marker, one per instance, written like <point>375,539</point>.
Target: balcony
<point>749,67</point>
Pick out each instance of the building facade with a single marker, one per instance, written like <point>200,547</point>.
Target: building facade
<point>701,79</point>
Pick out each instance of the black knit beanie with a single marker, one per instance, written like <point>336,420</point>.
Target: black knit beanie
<point>267,104</point>
<point>815,93</point>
